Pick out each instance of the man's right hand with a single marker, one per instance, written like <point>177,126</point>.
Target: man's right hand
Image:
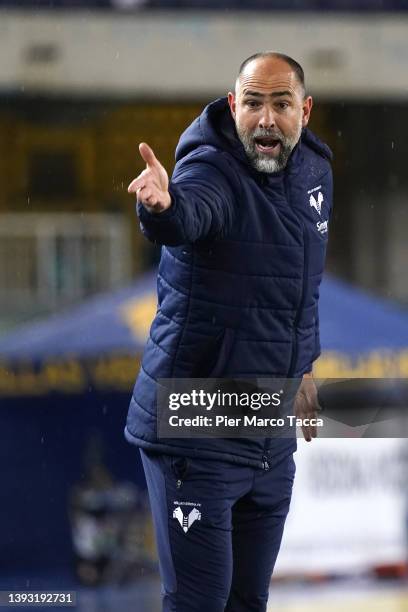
<point>151,186</point>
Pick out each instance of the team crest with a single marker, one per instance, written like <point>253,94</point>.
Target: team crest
<point>317,203</point>
<point>186,520</point>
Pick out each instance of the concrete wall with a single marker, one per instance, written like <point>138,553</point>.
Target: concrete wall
<point>181,55</point>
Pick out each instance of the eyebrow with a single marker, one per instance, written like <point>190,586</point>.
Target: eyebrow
<point>276,94</point>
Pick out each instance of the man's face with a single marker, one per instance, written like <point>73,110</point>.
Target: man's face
<point>269,109</point>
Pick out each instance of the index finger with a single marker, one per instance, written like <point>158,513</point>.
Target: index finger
<point>148,155</point>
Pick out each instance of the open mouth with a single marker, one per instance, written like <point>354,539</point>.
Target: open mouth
<point>267,144</point>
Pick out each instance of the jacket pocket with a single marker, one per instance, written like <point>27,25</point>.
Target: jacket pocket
<point>220,363</point>
<point>212,356</point>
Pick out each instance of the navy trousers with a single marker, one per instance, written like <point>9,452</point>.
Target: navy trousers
<point>218,529</point>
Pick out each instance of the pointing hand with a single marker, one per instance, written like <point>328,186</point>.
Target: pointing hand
<point>151,186</point>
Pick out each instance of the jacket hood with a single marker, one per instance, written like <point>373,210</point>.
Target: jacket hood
<point>215,127</point>
<point>313,142</point>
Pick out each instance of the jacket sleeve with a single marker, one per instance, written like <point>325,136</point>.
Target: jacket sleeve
<point>317,350</point>
<point>202,206</point>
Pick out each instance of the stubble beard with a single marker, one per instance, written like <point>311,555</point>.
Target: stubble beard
<point>264,162</point>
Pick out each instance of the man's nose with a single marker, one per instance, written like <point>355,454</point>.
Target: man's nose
<point>267,119</point>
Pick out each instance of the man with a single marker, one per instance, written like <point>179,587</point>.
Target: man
<point>244,223</point>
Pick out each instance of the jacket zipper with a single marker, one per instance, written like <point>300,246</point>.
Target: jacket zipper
<point>265,462</point>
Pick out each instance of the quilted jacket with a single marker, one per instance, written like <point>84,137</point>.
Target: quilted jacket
<point>238,281</point>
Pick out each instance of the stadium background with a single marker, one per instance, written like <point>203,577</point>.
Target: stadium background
<point>81,84</point>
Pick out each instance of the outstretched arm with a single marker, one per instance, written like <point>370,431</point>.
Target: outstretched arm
<point>197,204</point>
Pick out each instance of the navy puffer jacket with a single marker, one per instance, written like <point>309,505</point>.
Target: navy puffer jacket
<point>239,276</point>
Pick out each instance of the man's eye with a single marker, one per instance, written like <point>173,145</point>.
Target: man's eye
<point>283,105</point>
<point>252,103</point>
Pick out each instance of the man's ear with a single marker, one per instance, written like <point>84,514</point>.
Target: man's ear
<point>307,109</point>
<point>232,103</point>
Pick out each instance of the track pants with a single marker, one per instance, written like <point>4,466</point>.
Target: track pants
<point>218,530</point>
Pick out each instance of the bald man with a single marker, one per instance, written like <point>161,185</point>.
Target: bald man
<point>244,228</point>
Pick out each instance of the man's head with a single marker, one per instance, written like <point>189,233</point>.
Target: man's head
<point>270,108</point>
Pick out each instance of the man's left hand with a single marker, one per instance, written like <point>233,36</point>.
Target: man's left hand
<point>306,405</point>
